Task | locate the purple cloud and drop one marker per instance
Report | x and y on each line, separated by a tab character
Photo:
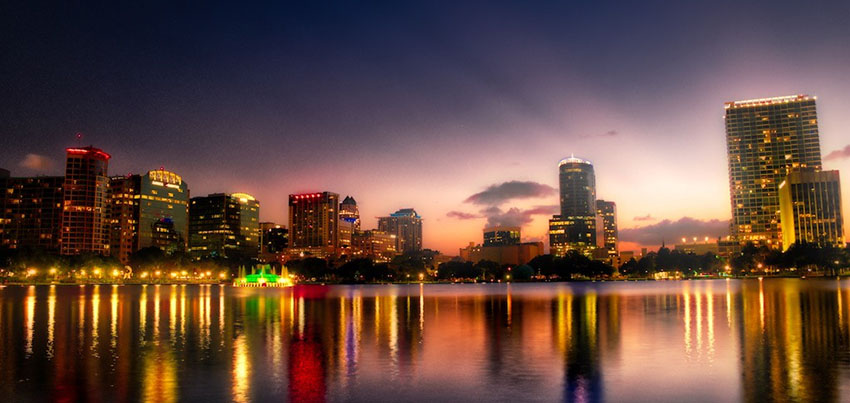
496	195
838	154
673	231
36	162
461	215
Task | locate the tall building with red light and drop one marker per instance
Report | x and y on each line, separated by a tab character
85	224
314	222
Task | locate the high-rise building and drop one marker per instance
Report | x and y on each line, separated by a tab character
607	211
766	139
224	225
810	208
501	235
314	223
85	220
348	211
575	227
148	210
406	225
31	212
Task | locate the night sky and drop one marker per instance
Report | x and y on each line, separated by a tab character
460	111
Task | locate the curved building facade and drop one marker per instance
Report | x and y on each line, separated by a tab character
575	227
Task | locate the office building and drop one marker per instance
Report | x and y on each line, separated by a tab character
226	225
406	225
512	254
766	139
31	212
575	227
349	212
501	235
606	211
377	245
810	208
148	210
314	223
85	220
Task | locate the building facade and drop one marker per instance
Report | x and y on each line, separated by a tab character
575	227
810	208
607	234
274	240
314	222
501	235
513	254
406	225
148	210
766	139
31	212
377	245
226	225
85	220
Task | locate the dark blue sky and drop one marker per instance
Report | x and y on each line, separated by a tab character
408	104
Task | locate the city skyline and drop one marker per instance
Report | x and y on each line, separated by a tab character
443	115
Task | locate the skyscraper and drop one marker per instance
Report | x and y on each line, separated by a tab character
810	208
224	225
607	211
274	239
766	139
314	222
85	224
348	211
406	225
575	227
149	210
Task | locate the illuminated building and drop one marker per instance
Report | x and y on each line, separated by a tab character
512	254
85	220
224	225
31	212
378	245
810	208
348	212
406	225
575	227
314	222
767	138
697	246
607	211
274	239
501	235
148	210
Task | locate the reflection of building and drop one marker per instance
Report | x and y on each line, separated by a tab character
607	231
515	255
274	239
314	221
148	210
765	139
224	225
85	224
494	236
406	225
374	244
31	211
575	227
810	208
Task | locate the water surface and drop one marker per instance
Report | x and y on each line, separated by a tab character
738	340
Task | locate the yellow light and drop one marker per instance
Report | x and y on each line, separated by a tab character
157	273
32	272
52	270
209	273
221	275
96	272
173	274
115	273
183	273
144	274
82	272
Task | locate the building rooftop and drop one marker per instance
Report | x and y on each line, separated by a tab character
405	212
768	101
349	200
573	160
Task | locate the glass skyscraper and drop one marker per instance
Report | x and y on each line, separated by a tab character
85	220
224	225
810	208
766	139
575	227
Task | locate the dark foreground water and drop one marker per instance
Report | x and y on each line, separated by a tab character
745	340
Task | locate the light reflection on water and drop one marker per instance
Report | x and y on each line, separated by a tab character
730	340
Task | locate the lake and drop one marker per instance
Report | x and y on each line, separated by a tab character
708	340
